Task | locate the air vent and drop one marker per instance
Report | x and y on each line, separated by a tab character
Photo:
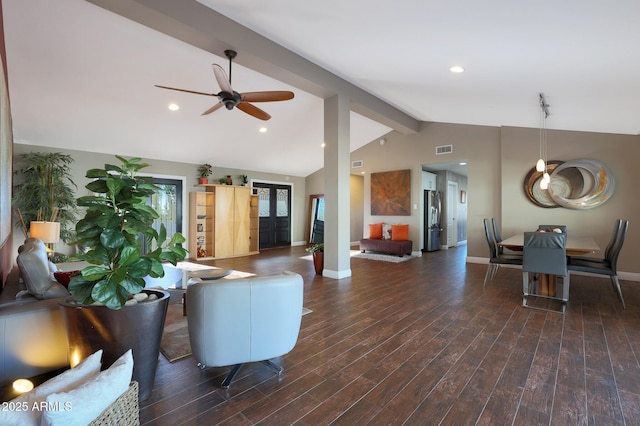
357	164
444	149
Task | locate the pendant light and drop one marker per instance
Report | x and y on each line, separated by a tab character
541	164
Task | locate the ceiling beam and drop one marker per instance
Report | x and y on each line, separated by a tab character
202	27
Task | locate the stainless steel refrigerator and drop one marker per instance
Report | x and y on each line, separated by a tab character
432	215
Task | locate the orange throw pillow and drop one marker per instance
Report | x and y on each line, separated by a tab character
375	231
400	232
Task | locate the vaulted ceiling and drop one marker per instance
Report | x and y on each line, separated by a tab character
82	77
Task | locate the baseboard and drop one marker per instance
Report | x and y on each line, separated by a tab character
625	276
336	274
629	276
482	260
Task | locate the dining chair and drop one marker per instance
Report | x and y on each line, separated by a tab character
617	229
609	265
544	253
496	259
496	235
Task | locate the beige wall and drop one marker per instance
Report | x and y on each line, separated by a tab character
315	186
357	207
618	152
86	160
479	143
498	161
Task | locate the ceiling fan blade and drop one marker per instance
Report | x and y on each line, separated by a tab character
213	108
268	96
253	110
187	91
221	77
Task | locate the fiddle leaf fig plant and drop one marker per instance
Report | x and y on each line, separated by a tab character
116	224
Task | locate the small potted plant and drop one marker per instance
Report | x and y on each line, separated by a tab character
244	179
204	171
317	251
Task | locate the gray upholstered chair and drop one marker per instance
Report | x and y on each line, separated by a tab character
235	321
544	253
496	259
608	265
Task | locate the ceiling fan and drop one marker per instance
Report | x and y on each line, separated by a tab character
229	98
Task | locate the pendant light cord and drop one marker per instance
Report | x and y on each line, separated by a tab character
544	113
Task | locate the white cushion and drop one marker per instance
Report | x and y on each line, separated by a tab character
81	405
26	414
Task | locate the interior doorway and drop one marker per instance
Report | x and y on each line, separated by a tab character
454	200
452	214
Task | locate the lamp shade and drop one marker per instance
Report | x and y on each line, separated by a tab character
47	232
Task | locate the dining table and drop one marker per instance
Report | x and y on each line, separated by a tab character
576	246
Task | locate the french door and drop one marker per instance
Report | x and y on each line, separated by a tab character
274	211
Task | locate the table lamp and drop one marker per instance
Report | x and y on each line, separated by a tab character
47	232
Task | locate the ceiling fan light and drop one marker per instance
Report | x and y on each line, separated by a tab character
540	165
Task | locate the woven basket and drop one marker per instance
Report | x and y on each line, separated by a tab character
123	411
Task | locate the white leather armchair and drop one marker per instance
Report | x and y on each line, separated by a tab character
244	320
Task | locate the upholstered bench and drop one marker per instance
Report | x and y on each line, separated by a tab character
399	247
387	238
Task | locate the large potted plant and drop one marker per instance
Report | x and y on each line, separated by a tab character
317	252
103	312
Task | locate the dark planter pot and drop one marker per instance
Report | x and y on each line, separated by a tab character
318	261
138	327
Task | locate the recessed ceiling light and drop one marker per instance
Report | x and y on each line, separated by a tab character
262	130
174	107
463	163
456	69
323	144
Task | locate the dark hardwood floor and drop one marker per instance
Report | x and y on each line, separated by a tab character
421	342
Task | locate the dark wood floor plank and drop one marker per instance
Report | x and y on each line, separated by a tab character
422	342
502	406
603	396
570	405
